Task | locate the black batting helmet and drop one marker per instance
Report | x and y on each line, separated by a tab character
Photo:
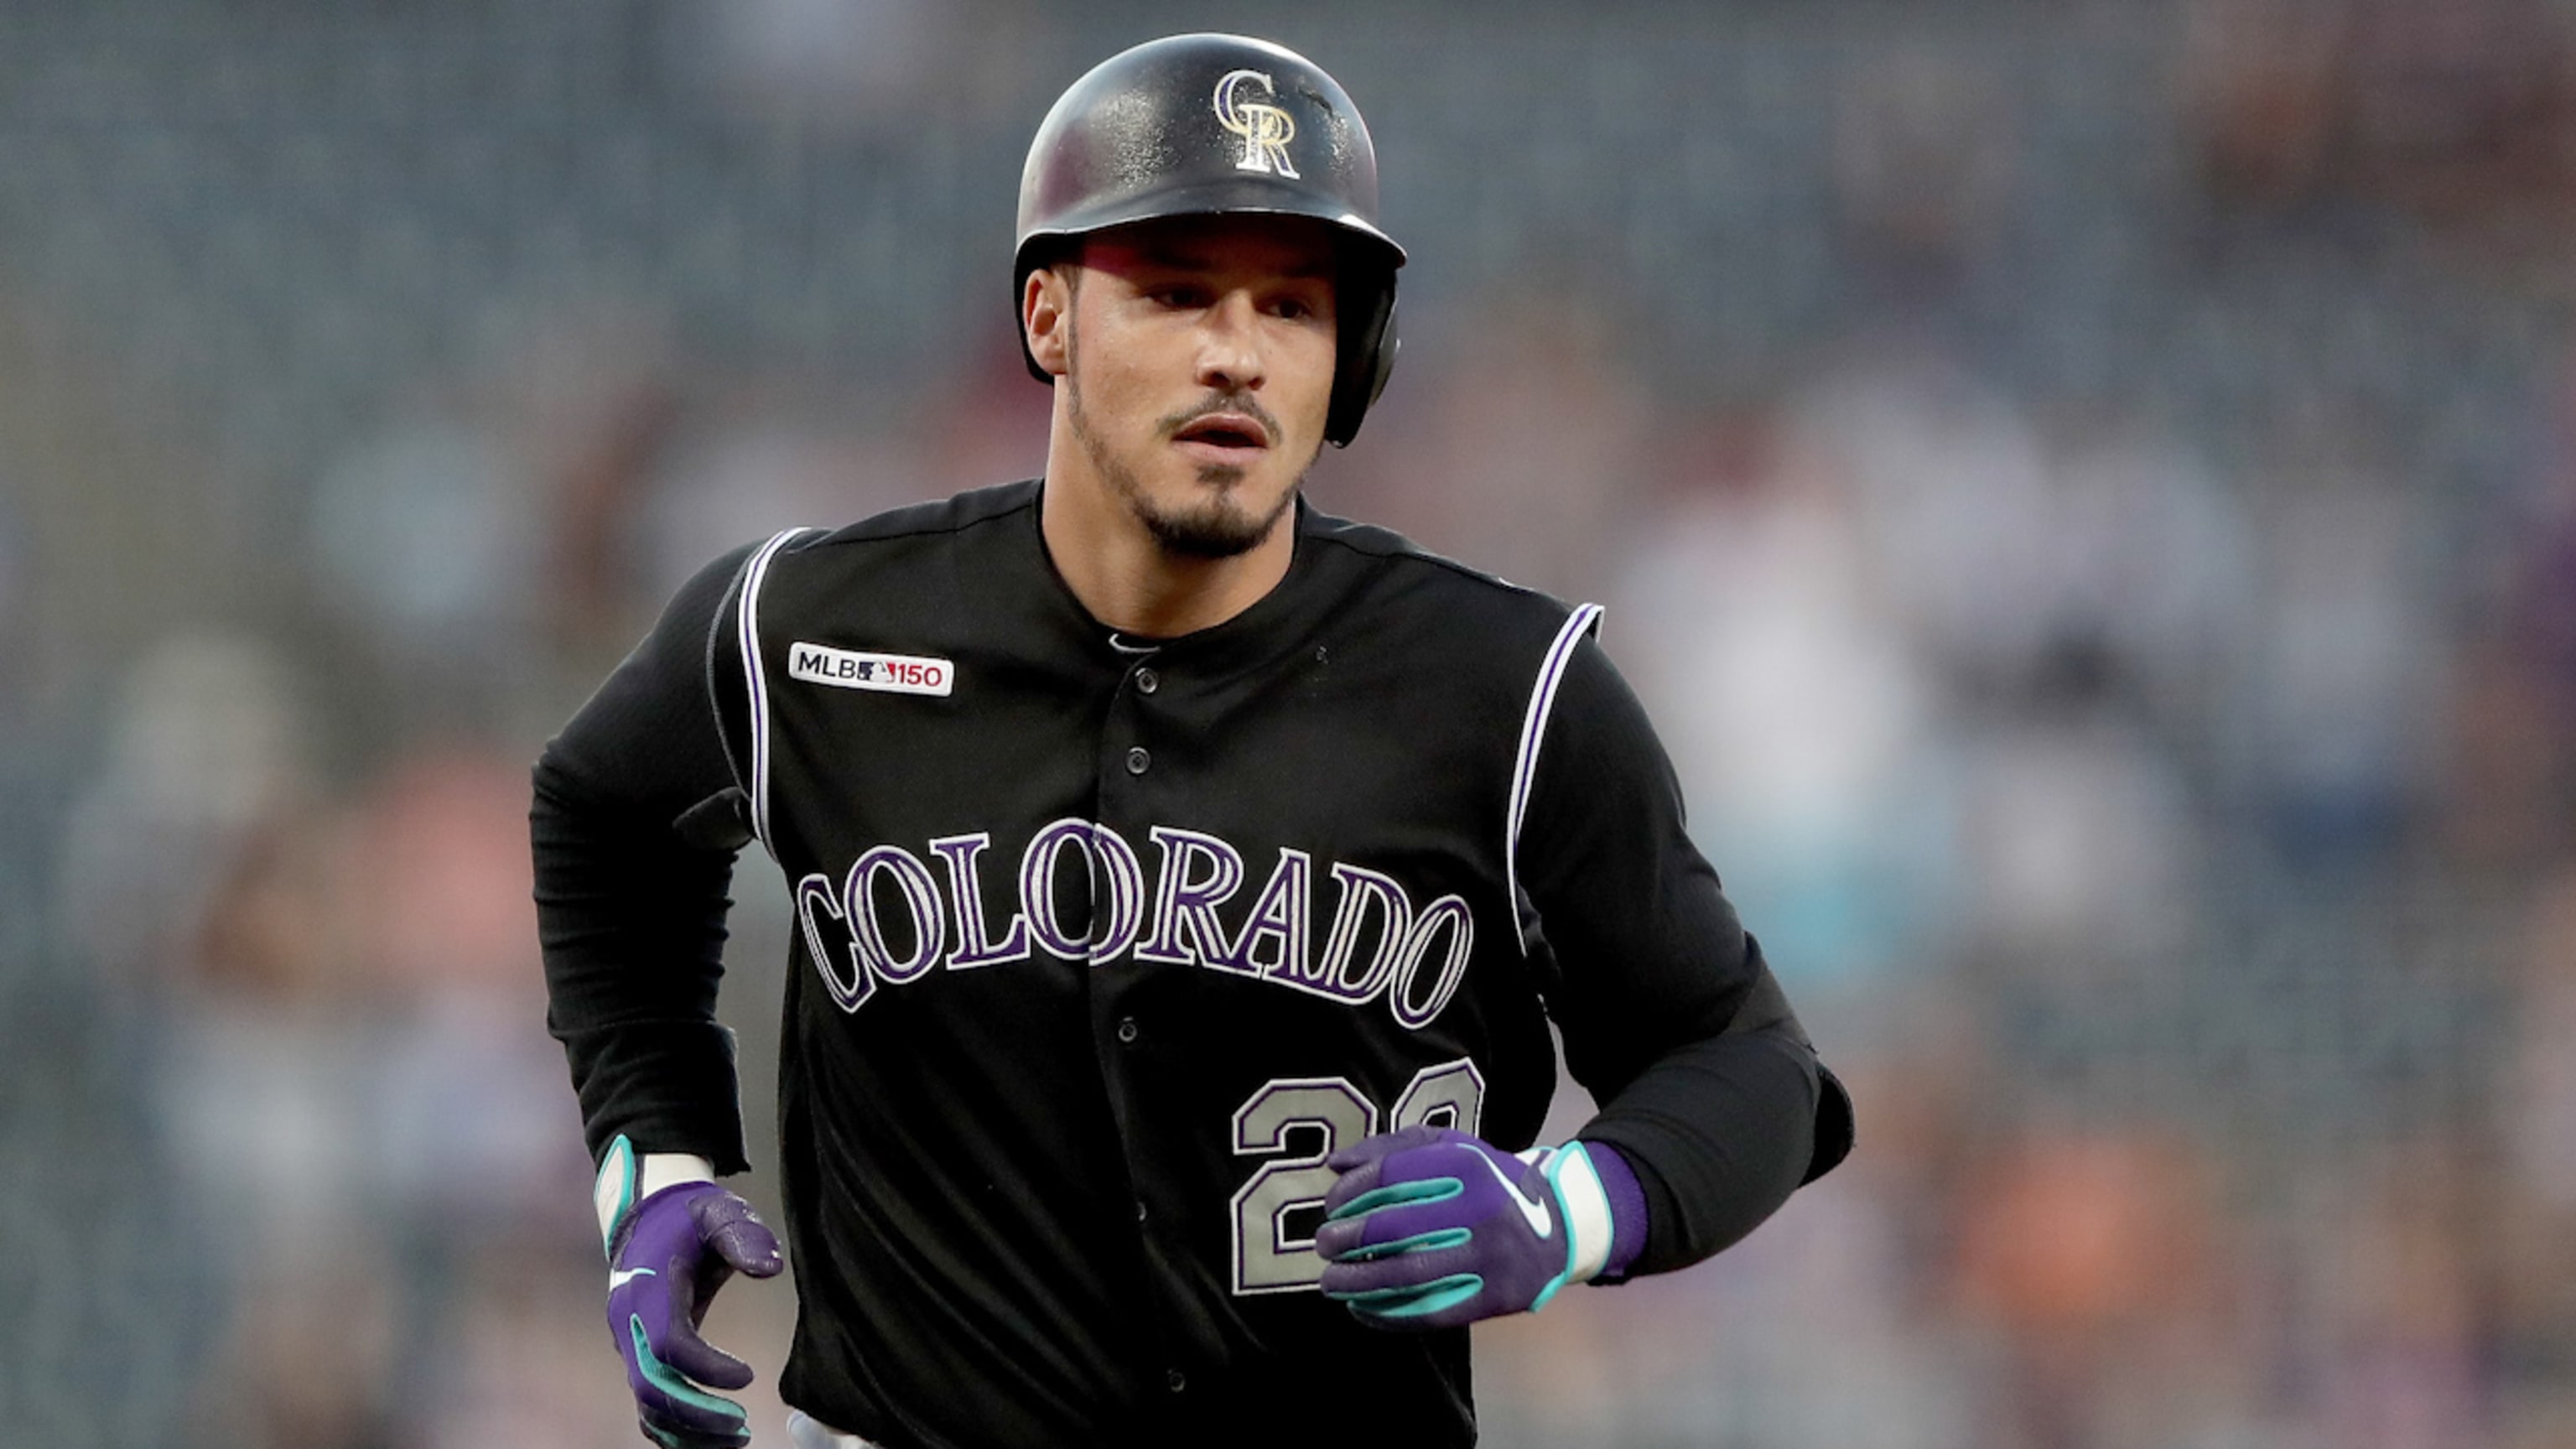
1205	125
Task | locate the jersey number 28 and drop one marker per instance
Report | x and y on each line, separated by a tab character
1266	1258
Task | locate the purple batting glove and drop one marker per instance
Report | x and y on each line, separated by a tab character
667	1257
1433	1228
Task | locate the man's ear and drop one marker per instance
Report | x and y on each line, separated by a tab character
1046	319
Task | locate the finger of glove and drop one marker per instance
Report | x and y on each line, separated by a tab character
674	1433
1398	1167
698	1359
678	1439
728	1225
1414	1291
1401	1227
1353	1183
1399	1272
1371	1149
665	1395
1433	1307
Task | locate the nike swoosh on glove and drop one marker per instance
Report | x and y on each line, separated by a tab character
1430	1227
667	1256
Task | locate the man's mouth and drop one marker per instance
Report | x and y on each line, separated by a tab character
1229	435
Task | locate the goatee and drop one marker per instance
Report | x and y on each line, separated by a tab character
1215	529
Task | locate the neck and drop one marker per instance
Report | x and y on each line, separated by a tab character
1129	581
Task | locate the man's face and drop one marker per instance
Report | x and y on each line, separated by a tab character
1199	359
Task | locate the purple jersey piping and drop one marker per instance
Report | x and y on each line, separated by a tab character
1533	729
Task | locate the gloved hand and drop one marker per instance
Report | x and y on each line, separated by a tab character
667	1256
1433	1228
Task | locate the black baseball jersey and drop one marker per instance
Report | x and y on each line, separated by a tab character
1102	944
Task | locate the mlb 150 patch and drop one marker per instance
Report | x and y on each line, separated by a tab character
886	673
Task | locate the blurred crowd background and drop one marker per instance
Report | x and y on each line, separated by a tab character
2087	488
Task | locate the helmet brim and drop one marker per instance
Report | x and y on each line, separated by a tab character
1248	197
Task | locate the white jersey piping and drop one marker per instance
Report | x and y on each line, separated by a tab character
1551	673
756	683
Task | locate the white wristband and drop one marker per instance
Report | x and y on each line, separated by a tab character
1588	1225
627	1178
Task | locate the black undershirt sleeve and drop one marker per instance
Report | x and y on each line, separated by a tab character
1672	1020
634	827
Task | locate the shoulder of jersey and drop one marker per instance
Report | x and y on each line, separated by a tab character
943	515
1456	584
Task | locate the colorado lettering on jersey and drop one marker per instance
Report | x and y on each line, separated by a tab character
886	673
888	919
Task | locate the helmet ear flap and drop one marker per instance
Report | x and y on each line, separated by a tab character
1367	357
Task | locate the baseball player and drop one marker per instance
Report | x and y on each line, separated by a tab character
1183	882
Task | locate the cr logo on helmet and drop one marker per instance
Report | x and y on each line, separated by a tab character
1266	130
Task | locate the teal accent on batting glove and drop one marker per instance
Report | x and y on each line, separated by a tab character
612	1197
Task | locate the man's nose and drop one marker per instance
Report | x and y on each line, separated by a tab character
1230	345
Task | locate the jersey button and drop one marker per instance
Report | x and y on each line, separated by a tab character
1127	1028
1138	761
1175	1380
1147	681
